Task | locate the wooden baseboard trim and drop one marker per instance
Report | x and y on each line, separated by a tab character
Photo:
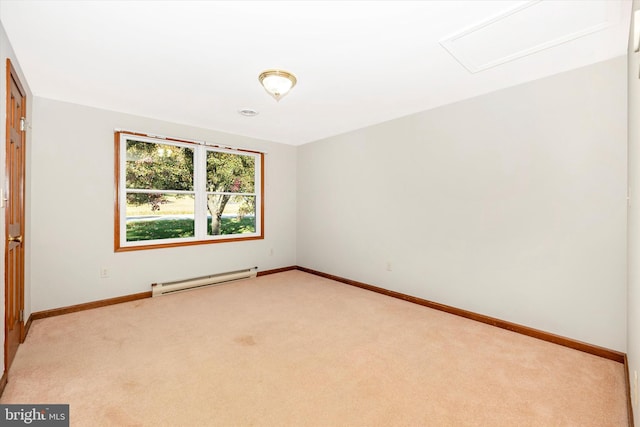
89	305
277	270
514	327
628	386
3	381
27	326
126	298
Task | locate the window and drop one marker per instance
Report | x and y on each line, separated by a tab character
171	193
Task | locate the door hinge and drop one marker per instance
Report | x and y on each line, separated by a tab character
21	315
23	124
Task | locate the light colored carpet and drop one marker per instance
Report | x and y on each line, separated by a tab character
293	349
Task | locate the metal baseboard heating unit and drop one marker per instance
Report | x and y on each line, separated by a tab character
159	289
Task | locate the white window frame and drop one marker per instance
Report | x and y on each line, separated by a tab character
199	192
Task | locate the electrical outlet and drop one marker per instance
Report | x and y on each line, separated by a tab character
271	252
389	267
104	272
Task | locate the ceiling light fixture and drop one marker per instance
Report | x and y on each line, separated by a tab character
277	83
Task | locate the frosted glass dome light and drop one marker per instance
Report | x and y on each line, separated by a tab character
277	83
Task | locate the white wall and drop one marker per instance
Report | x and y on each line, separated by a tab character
511	204
72	210
633	298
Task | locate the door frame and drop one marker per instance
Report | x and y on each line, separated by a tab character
12	75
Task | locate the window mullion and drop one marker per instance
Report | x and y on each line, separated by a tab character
199	185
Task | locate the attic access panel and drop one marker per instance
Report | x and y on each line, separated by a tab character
527	29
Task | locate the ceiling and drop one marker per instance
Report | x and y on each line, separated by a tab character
358	63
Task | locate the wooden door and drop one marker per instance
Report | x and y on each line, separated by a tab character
14	216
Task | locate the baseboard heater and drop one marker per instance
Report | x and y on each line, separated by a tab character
159	289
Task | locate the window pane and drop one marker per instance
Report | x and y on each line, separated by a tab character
152	166
159	216
233	173
231	214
